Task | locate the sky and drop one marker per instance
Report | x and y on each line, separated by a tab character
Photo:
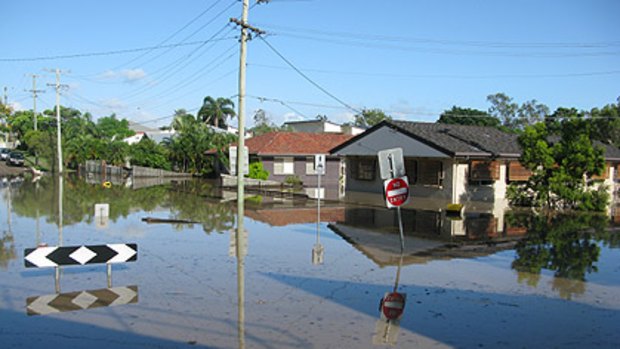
413	59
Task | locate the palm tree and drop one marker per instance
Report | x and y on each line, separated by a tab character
215	111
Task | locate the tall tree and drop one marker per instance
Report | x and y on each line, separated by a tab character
467	116
606	122
370	117
563	168
514	116
216	111
262	123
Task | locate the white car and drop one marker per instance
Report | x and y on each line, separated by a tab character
4	153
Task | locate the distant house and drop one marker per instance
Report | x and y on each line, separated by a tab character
286	154
322	126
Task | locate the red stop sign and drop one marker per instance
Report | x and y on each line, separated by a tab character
396	191
393	305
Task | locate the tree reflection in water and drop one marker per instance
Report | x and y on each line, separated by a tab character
185	200
567	244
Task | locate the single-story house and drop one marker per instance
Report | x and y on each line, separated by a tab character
286	154
454	163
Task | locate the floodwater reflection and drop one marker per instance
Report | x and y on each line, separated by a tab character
241	275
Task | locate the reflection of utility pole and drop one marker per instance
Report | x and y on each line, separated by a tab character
60	222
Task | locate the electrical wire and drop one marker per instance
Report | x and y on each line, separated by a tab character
306	77
445	76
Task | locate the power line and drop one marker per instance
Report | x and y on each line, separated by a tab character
449	51
109	53
307	78
446	76
470	43
174	34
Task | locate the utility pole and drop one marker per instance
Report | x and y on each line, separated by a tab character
34	111
245	27
59	129
6	97
240	236
34	99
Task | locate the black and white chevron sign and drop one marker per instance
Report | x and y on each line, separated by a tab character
54	256
81	300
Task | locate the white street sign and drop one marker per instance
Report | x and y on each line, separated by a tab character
391	163
319	164
232	155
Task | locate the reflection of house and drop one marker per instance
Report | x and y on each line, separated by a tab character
279	217
291	154
428	234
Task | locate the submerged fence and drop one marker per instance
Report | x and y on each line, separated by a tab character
106	171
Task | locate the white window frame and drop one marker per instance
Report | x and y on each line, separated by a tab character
284	165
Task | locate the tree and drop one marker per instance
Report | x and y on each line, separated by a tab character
514	116
370	117
262	123
112	128
149	154
467	116
563	167
216	111
606	122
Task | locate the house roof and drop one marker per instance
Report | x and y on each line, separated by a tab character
454	140
294	143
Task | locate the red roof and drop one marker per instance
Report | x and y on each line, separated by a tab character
294	143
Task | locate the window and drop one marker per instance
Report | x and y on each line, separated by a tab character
411	170
310	170
430	172
283	166
483	171
364	169
517	172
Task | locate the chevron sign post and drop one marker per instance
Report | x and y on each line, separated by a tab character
81	300
54	256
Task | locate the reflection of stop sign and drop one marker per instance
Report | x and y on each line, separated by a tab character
396	191
393	305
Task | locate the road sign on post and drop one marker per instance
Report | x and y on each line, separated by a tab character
319	164
232	155
396	191
391	163
54	256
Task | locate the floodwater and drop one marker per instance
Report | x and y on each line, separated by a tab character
475	281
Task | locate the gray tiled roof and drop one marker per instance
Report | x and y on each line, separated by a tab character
461	140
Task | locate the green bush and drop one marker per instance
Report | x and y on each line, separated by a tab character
257	171
293	180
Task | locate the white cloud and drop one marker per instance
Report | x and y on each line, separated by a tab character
131	75
292	117
114	103
342	118
126	75
16	106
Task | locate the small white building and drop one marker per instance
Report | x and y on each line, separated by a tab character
322	126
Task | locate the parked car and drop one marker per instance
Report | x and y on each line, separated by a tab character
15	159
4	153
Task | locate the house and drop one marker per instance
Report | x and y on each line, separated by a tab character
452	163
322	126
445	163
291	154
